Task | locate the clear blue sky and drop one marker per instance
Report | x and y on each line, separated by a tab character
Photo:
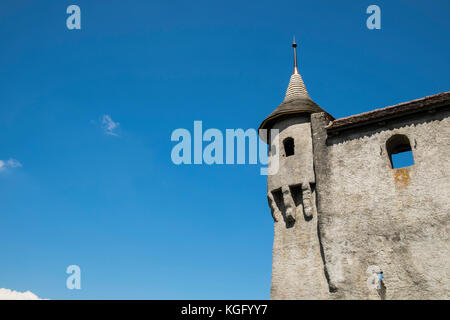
138	225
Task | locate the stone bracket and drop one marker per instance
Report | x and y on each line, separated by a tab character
285	203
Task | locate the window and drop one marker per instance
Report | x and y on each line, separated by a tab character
399	151
289	146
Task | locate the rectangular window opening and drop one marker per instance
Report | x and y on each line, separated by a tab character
402	159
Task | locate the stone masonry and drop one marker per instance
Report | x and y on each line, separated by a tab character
340	209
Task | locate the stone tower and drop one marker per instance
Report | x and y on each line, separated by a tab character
348	222
292	197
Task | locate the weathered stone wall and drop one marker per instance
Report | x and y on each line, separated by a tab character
371	214
297	268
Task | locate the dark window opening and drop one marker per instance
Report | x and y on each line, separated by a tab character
296	192
399	151
289	146
278	197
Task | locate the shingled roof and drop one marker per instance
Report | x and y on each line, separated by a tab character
398	110
296	100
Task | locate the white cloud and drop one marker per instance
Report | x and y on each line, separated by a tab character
11	163
109	126
7	294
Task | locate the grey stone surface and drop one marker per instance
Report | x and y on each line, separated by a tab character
296	247
340	209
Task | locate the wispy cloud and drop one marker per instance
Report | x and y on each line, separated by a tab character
11	163
109	126
8	294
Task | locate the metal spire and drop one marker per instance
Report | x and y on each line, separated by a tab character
294	45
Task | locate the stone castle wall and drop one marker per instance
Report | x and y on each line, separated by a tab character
371	214
296	247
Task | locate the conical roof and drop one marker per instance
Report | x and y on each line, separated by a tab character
296	101
296	88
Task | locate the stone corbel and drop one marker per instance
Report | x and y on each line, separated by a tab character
276	213
289	204
308	203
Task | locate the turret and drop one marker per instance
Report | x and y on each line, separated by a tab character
291	196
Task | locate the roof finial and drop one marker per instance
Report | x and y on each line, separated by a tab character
294	45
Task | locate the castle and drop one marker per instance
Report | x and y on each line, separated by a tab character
342	211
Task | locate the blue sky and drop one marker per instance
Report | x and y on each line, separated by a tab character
138	225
